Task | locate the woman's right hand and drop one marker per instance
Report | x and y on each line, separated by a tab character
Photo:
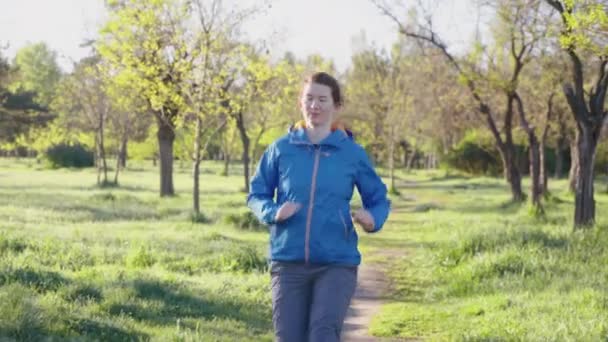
286	211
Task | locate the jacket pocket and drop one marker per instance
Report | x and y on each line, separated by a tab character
346	230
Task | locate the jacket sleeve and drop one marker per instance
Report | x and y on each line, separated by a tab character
373	191
262	187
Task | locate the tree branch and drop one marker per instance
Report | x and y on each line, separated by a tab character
522	115
556	4
599	97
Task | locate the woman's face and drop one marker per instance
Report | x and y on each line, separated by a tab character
317	105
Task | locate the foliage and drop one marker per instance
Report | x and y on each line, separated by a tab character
67	155
37	71
475	154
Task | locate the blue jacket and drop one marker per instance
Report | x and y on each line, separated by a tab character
321	177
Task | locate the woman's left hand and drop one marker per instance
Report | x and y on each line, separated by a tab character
364	219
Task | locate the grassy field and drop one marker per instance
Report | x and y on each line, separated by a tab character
474	267
80	262
124	264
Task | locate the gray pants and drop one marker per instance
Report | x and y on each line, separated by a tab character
309	302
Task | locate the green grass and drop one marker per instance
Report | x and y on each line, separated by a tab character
475	267
120	263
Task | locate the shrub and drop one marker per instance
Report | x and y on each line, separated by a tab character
65	155
476	155
238	258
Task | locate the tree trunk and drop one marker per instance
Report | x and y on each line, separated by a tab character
117	171
121	158
226	164
584	213
196	167
534	156
511	172
535	171
166	136
122	154
245	140
410	161
544	178
102	150
98	158
574	167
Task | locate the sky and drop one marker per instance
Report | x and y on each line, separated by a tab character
304	27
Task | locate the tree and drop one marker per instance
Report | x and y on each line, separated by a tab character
522	28
84	105
37	71
229	144
143	42
540	90
473	78
126	120
256	104
25	89
366	91
585	32
215	68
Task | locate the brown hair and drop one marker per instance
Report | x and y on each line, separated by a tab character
327	80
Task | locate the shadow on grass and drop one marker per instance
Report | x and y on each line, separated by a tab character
176	303
102	331
99	207
433	185
484	207
41	281
59	186
447	177
400	244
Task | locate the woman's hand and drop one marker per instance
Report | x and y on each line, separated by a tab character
364	219
286	211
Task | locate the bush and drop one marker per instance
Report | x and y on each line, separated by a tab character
239	259
476	155
199	218
64	155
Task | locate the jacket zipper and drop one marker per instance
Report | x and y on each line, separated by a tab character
311	202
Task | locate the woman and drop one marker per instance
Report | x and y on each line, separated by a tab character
313	244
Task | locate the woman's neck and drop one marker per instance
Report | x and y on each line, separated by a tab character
318	133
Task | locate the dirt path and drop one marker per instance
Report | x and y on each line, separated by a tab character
372	285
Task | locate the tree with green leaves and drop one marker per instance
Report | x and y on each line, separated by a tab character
368	92
257	104
126	120
26	88
216	61
583	36
144	44
37	71
84	105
